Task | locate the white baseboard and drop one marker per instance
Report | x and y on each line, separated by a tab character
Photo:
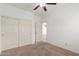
50	42
0	51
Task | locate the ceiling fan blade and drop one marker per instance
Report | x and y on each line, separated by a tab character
45	9
51	3
36	7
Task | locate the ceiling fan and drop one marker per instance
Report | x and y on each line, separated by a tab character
43	5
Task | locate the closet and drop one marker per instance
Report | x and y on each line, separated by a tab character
15	32
9	29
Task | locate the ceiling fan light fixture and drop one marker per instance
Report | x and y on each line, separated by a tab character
42	4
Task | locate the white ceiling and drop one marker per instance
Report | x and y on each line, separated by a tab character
24	6
30	6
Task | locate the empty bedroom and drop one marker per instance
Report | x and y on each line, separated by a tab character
39	29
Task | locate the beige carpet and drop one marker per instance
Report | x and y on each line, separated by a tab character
40	49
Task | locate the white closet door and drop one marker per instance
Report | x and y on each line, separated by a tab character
25	32
0	34
9	33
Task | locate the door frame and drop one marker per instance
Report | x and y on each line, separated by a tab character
0	36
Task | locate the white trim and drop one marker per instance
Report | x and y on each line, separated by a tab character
0	35
33	31
50	42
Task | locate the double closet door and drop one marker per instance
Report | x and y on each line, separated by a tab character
15	32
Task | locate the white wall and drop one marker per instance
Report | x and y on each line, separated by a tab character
63	26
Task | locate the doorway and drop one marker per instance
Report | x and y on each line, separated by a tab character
44	31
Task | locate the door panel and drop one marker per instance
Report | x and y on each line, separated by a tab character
25	32
9	33
0	34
